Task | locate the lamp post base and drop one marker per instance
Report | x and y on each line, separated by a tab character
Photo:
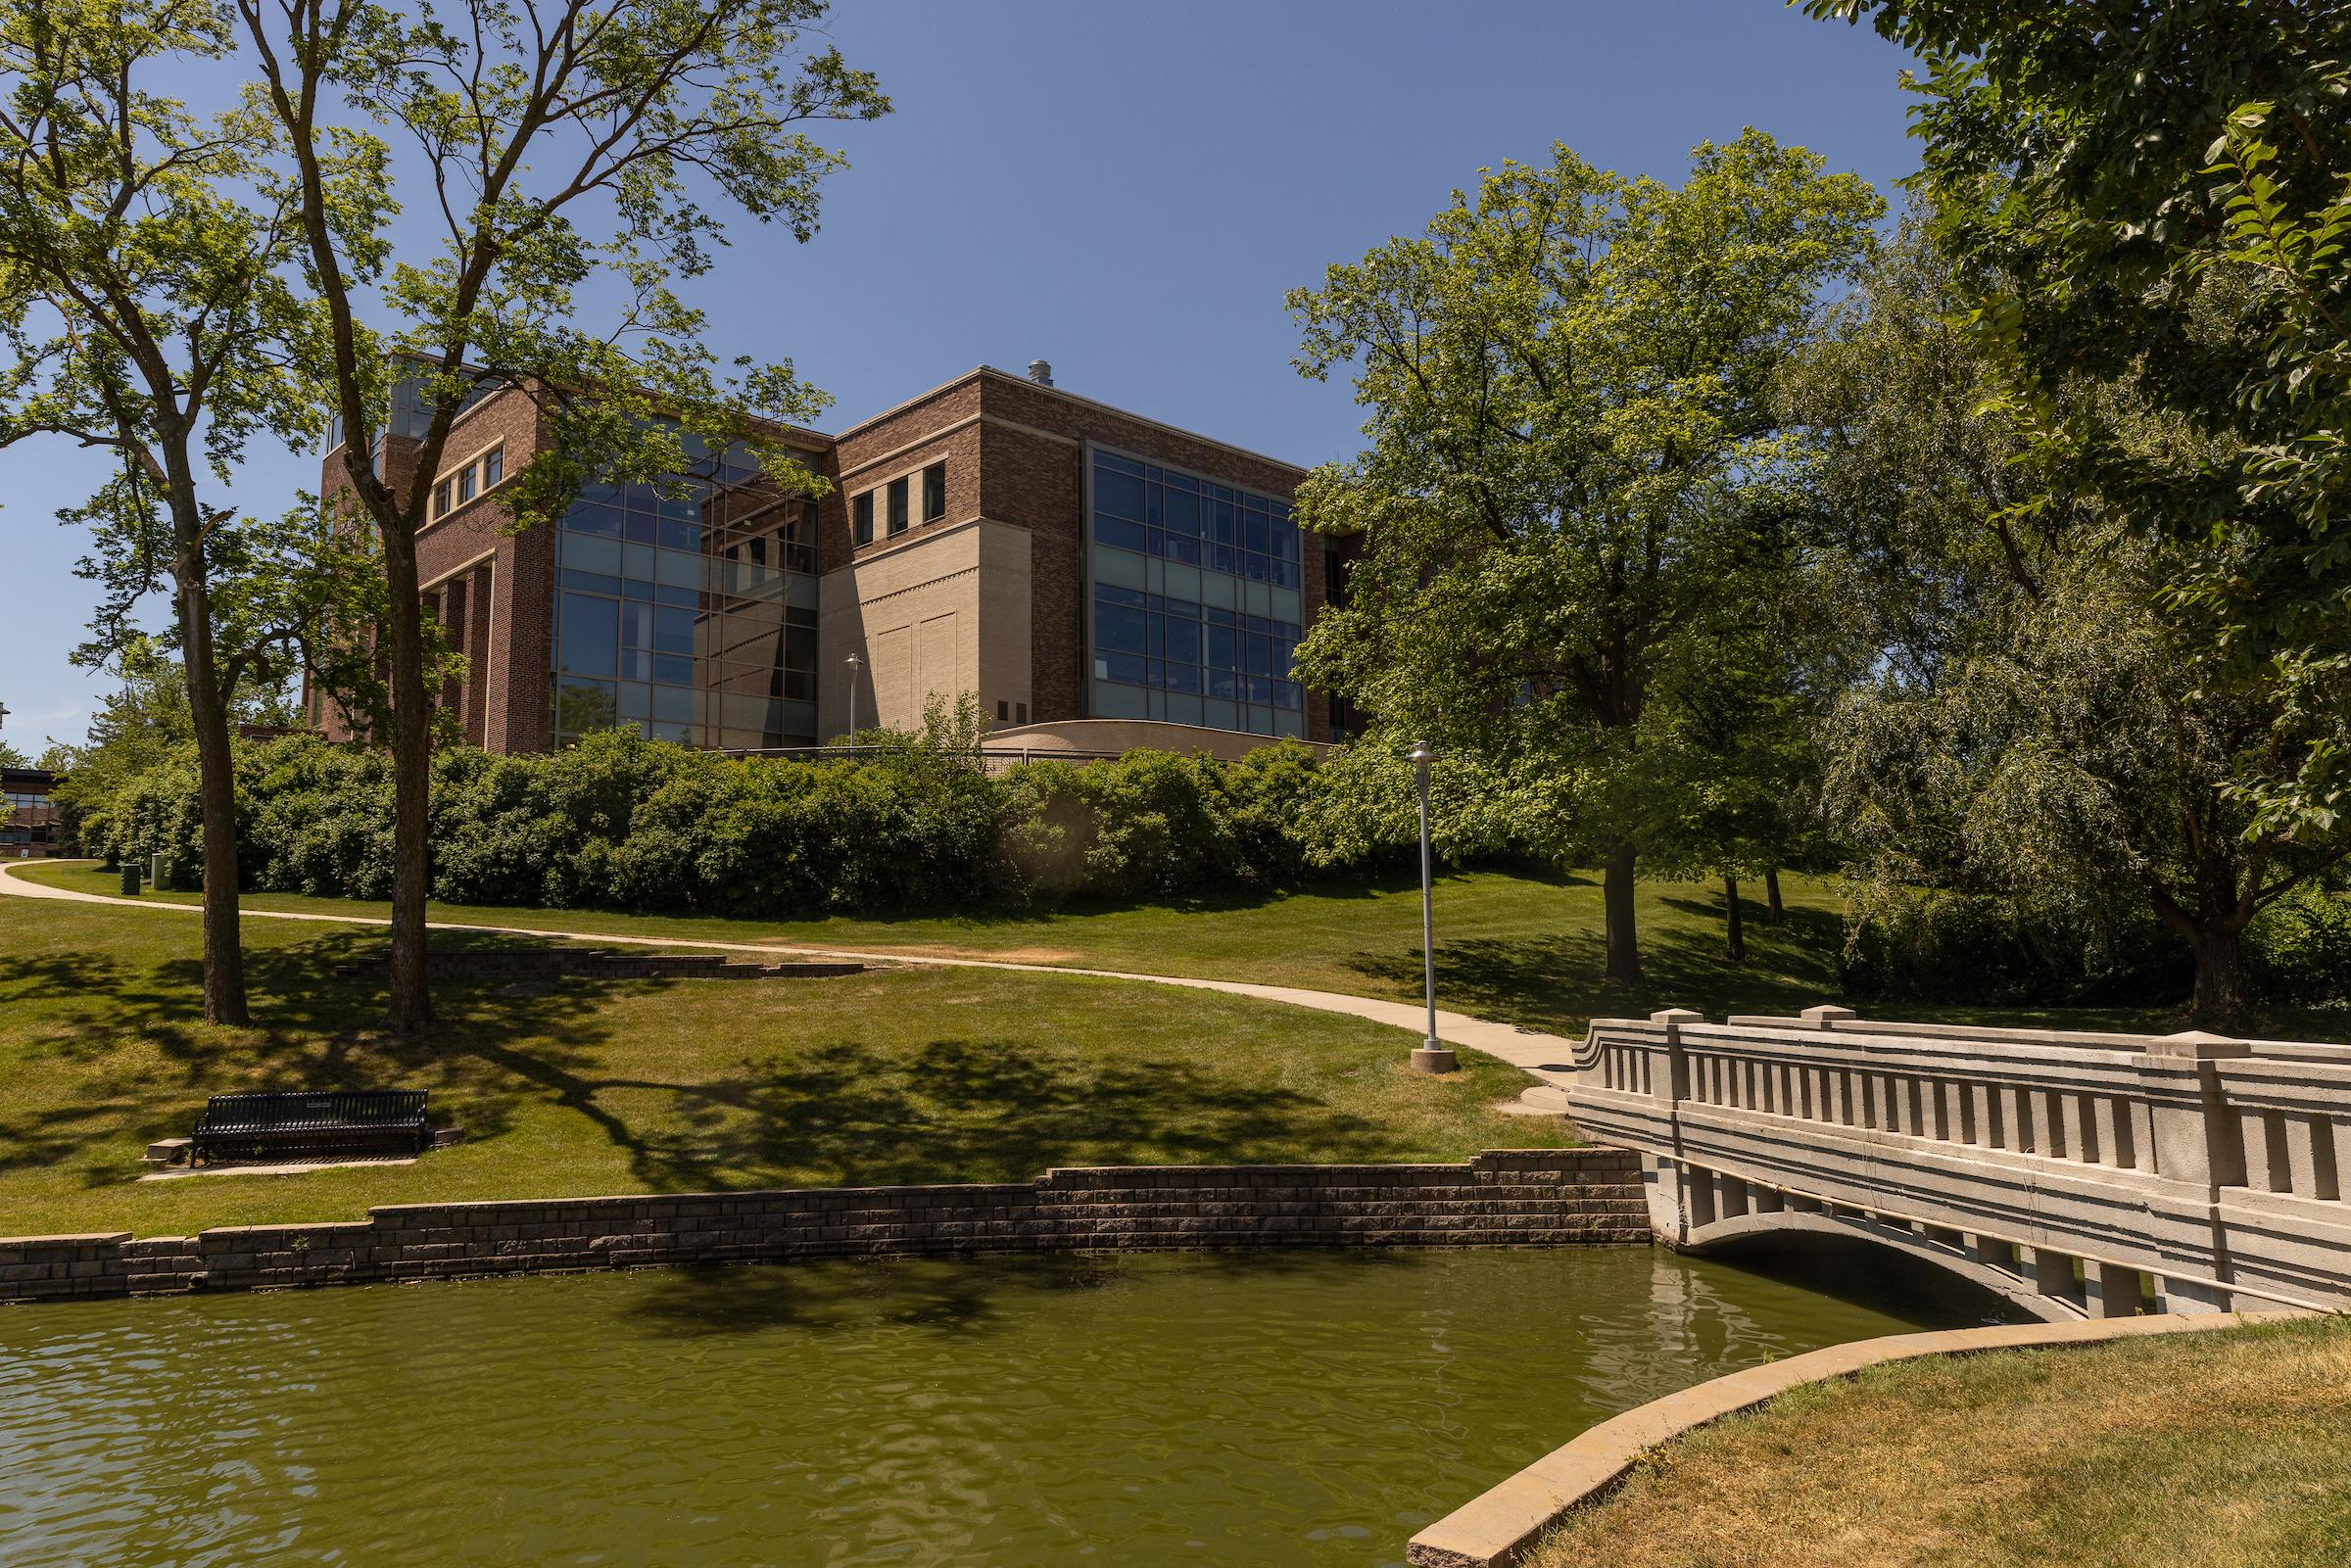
1433	1059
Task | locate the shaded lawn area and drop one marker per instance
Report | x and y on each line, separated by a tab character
1516	947
2228	1449
593	1087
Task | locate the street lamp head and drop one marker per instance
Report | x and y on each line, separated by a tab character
853	661
1422	754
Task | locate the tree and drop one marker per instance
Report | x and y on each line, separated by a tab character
145	314
2107	176
558	148
2035	727
147	722
1574	457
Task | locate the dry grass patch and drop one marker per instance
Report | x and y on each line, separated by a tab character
2224	1449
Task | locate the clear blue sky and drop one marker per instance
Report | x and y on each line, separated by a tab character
1127	189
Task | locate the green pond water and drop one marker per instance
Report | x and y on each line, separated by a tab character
1298	1408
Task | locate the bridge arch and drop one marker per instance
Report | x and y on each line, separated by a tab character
2075	1176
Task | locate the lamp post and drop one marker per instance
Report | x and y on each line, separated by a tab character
854	662
1431	1055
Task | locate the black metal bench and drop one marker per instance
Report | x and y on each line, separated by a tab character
306	1125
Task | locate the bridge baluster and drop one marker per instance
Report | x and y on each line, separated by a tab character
2310	1156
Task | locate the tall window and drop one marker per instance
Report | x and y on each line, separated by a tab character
935	493
863	510
1197	609
898	505
441	499
688	617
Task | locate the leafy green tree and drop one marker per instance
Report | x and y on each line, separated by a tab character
560	154
1574	457
2036	727
147	721
2109	177
145	313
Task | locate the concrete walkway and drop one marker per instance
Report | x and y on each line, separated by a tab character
1546	1057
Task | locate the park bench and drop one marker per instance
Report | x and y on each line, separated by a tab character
308	1126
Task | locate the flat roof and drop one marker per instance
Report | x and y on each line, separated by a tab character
1067	395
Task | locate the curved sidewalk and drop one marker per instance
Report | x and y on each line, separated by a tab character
1544	1057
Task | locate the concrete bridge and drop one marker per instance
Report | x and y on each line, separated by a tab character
2080	1175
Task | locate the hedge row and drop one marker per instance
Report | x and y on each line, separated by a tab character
618	822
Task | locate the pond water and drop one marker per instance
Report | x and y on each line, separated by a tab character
1301	1409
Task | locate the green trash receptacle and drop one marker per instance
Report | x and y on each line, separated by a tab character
130	878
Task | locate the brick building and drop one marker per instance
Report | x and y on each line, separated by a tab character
1090	575
35	827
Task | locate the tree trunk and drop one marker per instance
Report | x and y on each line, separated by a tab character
1774	910
1624	942
1734	946
216	768
2221	979
410	1002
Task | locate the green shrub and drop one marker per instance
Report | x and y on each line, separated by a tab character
1904	944
2298	950
620	821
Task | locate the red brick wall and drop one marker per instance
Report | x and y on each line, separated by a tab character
903	442
1029	477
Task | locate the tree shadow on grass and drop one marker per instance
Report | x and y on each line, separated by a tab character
951	1110
86	1013
125	1059
1559	982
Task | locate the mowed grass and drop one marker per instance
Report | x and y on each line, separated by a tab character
2225	1449
900	1074
1520	948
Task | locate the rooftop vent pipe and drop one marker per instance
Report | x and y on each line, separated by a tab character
1041	372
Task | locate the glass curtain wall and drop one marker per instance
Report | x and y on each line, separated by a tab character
689	618
1196	600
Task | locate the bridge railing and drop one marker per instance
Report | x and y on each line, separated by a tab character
2191	1157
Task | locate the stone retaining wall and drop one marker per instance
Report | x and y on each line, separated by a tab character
1540	1198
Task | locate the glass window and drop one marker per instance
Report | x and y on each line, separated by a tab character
673	629
593	582
935	493
1182	513
1119	495
466	482
1119	532
584	705
589	640
1122	630
862	509
673	669
441	499
898	505
586	517
494	468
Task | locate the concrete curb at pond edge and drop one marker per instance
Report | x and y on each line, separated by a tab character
1498	1527
1549	1058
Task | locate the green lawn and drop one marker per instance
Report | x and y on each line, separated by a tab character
1519	948
902	1075
2224	1449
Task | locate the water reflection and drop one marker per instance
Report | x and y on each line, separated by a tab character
1289	1408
